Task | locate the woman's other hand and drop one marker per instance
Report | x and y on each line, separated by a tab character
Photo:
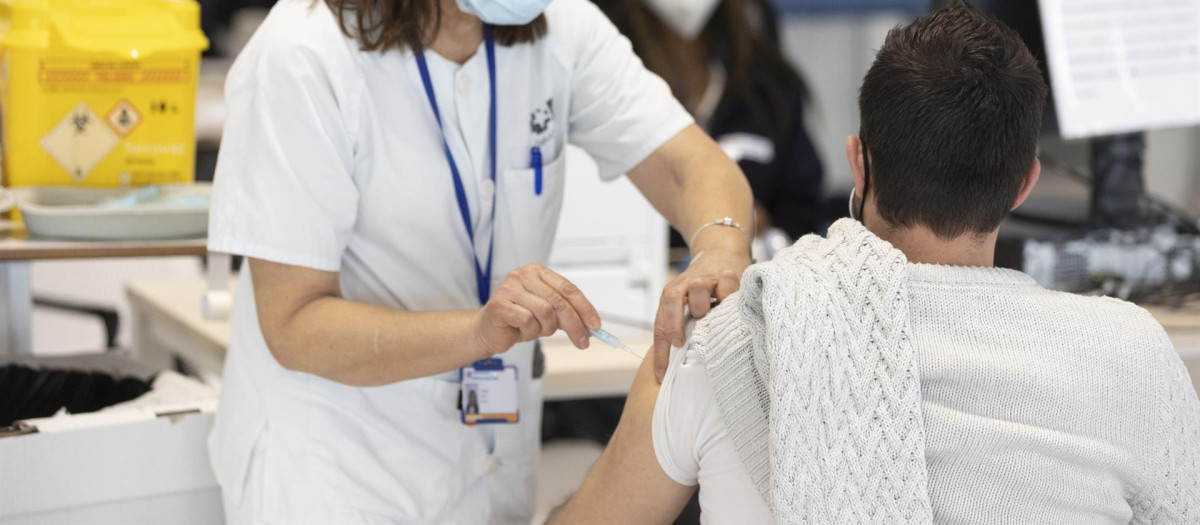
710	278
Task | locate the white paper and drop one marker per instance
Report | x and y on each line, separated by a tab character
62	421
171	393
1123	65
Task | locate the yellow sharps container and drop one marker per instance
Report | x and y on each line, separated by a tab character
99	92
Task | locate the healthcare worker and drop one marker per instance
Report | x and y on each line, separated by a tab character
393	171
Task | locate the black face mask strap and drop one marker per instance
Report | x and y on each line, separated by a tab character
862	205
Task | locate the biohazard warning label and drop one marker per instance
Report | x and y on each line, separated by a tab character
123	118
80	141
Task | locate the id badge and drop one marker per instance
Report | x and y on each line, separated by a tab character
489	393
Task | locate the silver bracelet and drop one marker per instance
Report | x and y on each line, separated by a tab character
727	222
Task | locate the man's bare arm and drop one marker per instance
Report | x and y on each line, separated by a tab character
627	485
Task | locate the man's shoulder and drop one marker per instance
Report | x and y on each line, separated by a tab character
1125	324
683	415
686	379
1105	341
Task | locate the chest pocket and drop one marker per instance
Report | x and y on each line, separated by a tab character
534	217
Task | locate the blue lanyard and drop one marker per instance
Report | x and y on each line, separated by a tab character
483	276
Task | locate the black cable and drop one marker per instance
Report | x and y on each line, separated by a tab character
862	206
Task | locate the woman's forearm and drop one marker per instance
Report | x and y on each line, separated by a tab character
691	182
364	345
711	195
310	328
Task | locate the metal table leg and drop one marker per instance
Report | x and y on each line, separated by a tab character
16	305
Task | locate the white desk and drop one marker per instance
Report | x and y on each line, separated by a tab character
167	321
17	249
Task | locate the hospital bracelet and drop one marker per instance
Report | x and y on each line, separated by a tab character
727	222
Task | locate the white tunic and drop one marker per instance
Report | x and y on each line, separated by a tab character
332	160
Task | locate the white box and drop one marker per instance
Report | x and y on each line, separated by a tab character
138	465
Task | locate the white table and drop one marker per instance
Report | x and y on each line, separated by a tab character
167	321
18	249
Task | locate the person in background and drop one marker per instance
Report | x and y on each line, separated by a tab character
890	374
722	60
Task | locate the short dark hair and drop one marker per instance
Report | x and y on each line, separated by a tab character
951	113
380	25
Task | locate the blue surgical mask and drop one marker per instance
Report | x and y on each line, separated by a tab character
504	12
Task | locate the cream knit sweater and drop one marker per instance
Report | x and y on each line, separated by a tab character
1043	407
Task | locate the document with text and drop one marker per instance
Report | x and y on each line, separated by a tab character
1123	65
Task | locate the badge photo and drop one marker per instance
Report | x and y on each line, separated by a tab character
489	393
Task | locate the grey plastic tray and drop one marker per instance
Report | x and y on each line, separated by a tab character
72	213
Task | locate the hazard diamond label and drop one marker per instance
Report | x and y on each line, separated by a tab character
80	141
123	118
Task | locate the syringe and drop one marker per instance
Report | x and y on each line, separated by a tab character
611	340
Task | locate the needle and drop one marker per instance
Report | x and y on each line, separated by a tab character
611	340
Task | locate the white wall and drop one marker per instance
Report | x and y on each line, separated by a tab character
833	53
99	281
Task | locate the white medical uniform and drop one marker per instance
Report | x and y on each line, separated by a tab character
332	160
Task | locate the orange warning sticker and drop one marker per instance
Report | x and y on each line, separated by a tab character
123	118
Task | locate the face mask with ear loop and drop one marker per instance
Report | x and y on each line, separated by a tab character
504	12
862	206
686	18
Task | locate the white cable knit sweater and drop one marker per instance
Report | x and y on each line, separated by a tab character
1069	410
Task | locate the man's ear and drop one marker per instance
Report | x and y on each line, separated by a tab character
1031	180
854	156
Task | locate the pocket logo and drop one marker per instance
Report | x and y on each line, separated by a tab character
541	123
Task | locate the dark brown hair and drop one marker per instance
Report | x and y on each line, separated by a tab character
381	25
951	113
748	45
